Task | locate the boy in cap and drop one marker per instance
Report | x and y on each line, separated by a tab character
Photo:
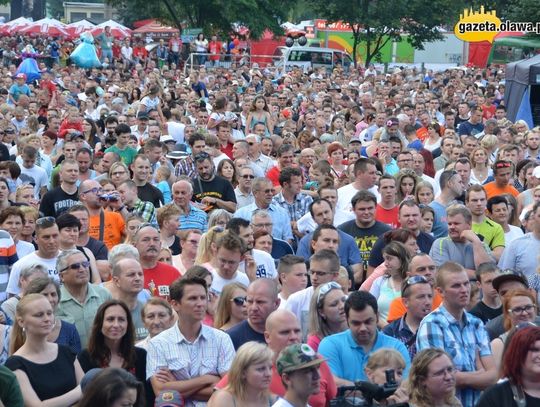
298	365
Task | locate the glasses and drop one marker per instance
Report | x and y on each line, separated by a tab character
248	176
262	225
94	190
520	310
413	281
77	266
239	300
252	143
325	289
448	370
45	221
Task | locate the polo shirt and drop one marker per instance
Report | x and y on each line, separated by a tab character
348	251
347	359
8	257
492	233
280	218
242	333
521	255
195	219
82	315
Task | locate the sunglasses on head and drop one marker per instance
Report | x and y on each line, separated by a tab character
413	281
325	289
45	220
239	300
202	156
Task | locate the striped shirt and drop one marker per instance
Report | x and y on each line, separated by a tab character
186	167
195	219
211	353
298	208
8	257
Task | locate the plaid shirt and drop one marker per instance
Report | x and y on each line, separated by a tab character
298	208
401	331
146	210
186	167
460	339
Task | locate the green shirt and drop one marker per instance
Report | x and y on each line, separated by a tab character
491	232
127	154
82	315
10	392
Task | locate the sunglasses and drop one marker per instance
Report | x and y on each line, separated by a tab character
248	176
202	156
413	281
45	220
94	190
77	266
239	300
503	164
325	289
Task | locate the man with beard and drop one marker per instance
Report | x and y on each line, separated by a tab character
158	276
210	189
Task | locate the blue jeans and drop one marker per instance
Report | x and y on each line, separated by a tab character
106	53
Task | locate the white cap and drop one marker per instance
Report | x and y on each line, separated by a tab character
165	138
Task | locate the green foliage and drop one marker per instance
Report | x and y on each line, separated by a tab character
213	16
377	22
523	11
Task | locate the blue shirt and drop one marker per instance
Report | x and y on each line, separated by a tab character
195	219
347	250
440	227
347	359
280	218
521	255
460	339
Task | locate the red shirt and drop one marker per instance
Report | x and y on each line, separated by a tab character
158	279
273	175
422	133
227	150
388	216
214	47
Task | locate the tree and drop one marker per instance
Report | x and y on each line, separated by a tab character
377	22
213	16
523	11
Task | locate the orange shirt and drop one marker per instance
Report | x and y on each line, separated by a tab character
113	230
492	190
397	308
422	133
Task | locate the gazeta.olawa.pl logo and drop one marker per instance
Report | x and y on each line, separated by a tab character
476	26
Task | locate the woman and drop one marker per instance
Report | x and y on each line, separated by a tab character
520	369
326	313
12	221
227	170
4	194
219	217
165	256
189	242
118	173
432	380
382	360
250	376
424	193
206	253
406	181
48	373
133	221
90	134
31	215
113	387
337	128
303	140
112	342
336	153
262	240
24	194
519	306
481	170
433	140
201	47
231	307
49	146
388	287
157	315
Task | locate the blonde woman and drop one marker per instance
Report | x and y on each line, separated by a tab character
206	252
118	173
231	307
481	169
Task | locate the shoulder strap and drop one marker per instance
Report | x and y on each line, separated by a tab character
101	224
519	396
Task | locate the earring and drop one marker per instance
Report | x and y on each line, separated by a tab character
24	330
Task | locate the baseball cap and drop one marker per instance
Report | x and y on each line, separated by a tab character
509	275
296	357
169	398
355	140
20	76
77	135
142	115
166	138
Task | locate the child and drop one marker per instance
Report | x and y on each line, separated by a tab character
72	124
428	214
490	305
163	174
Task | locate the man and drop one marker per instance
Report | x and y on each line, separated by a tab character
347	352
364	228
417	296
447	144
186	166
191	217
240	151
532	141
262	221
347	250
121	147
244	195
473	126
264	162
158	276
293	276
451	187
261	300
462	245
387	210
140	130
502	172
285	156
257	263
521	254
210	189
459	333
193	356
409	218
419	165
463	113
141	175
230	249
298	365
47	240
263	193
79	300
365	177
131	203
463	167
84	159
490	232
390	165
497	209
490	306
291	197
105	226
34	174
59	199
128	278
107	161
323	268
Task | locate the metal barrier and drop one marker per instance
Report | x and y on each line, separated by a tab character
231	61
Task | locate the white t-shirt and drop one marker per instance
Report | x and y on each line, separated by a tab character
284	403
512	234
24	248
346	193
298	304
176	131
218	282
30	260
266	266
219	159
306	224
39	177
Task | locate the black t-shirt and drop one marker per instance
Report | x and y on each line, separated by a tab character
57	201
484	312
150	193
501	395
243	333
365	237
4	152
217	188
98	248
423	240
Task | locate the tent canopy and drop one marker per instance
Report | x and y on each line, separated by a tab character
520	75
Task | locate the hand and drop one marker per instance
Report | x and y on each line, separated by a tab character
470	236
400	396
115	204
251	267
209	201
163	160
164	376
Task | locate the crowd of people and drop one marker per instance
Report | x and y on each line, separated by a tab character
242	238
